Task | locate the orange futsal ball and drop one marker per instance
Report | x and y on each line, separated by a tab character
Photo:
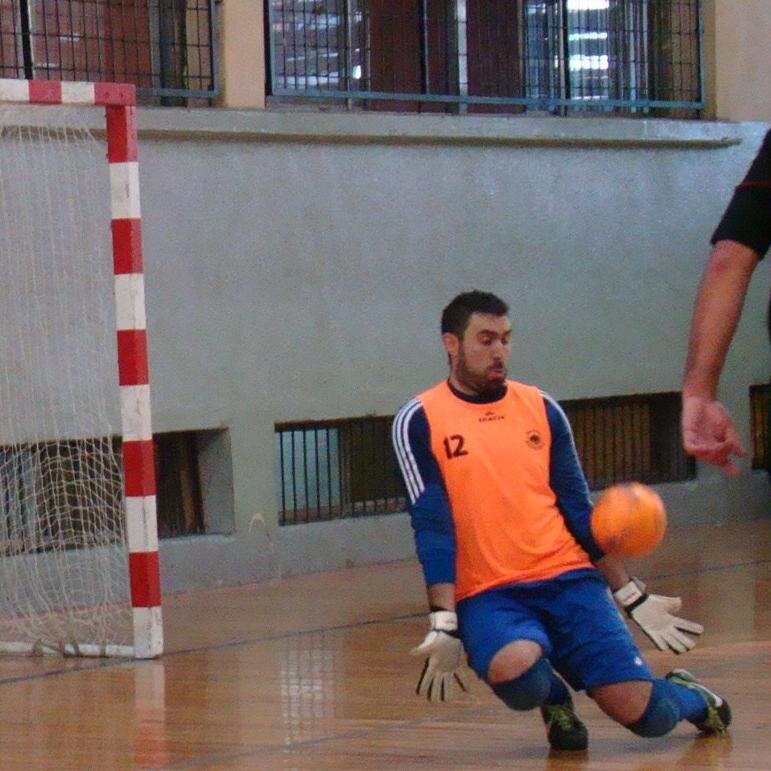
629	520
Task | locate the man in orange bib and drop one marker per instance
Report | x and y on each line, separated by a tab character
500	509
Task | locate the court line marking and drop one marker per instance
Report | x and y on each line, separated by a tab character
88	665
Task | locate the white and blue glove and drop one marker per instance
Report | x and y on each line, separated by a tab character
444	658
654	614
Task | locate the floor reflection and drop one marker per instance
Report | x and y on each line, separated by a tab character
310	668
150	742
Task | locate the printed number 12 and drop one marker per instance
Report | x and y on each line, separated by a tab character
453	446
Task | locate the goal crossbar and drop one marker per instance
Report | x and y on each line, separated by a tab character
139	485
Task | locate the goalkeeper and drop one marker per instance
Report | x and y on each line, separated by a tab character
500	510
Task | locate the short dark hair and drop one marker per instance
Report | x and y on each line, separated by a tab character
456	315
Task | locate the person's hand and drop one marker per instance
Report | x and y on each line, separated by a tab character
654	614
444	658
709	433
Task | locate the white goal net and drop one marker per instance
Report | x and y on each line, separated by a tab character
64	582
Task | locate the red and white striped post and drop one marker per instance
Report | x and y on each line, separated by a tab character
138	466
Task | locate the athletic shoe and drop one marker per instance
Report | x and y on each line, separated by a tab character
718	712
564	730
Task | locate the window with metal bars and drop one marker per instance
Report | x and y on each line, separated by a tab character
489	55
164	47
330	469
760	424
333	469
625	438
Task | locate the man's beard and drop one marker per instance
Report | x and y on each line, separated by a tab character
478	382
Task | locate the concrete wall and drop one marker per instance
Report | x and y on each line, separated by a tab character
297	264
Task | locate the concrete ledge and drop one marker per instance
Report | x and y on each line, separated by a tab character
378	128
202	562
391	128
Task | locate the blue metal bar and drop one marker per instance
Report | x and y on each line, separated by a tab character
282	520
536	103
213	52
26	41
425	77
700	44
190	93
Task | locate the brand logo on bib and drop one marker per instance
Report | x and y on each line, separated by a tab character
490	416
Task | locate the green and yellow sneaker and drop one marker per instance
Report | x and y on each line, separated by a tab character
718	712
564	730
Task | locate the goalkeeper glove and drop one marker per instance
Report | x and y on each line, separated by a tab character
444	657
654	614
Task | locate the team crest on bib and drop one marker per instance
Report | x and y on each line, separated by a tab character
534	440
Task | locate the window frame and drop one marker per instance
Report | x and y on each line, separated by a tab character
32	26
461	101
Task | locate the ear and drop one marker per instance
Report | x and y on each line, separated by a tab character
451	344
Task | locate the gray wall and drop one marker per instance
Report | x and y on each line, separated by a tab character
297	264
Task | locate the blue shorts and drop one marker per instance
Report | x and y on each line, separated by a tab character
572	617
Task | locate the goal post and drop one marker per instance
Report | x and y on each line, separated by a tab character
74	475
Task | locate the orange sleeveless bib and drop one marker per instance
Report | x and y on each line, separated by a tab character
494	459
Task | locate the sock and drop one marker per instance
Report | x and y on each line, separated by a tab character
558	693
690	702
661	715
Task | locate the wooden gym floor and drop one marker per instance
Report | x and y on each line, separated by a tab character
313	673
